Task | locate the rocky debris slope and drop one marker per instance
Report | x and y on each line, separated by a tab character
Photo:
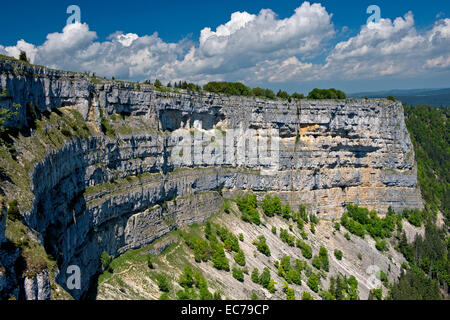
117	185
132	278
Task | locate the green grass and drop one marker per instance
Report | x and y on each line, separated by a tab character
34	256
171	261
35	148
3	57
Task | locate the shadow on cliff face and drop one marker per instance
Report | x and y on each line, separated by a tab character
59	212
172	120
92	292
13	265
74	232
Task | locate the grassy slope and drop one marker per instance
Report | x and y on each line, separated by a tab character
132	279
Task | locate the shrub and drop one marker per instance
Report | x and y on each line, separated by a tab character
206	295
220	261
229	240
149	262
300	265
294	276
324	262
106	128
326	94
229	88
217	295
376	294
238	274
227	206
359	220
262	246
239	257
65	131
283	95
316	262
344	289
326	295
313	218
186	294
313	282
307	296
338	254
287	238
391	98
415	217
105	261
337	226
187	278
286	212
271	206
274	230
300	224
271	287
158	84
201	248
298	96
303	214
382	276
23	56
13	211
306	250
164	296
264	279
163	283
247	206
290	294
208	230
255	275
381	245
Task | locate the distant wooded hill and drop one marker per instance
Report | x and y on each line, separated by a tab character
432	97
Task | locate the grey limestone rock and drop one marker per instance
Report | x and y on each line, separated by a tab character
112	194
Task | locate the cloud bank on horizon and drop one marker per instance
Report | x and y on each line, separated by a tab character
254	48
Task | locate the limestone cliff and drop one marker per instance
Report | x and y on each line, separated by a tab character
93	169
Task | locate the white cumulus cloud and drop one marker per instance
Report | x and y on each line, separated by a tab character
254	48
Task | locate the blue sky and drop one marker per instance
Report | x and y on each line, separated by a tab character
273	48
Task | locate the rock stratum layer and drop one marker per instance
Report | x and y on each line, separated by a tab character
112	192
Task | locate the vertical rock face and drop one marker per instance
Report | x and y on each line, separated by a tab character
123	190
38	287
2	223
3	277
8	281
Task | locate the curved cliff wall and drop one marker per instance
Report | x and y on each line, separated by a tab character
91	192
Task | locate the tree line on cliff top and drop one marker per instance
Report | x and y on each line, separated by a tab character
239	89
